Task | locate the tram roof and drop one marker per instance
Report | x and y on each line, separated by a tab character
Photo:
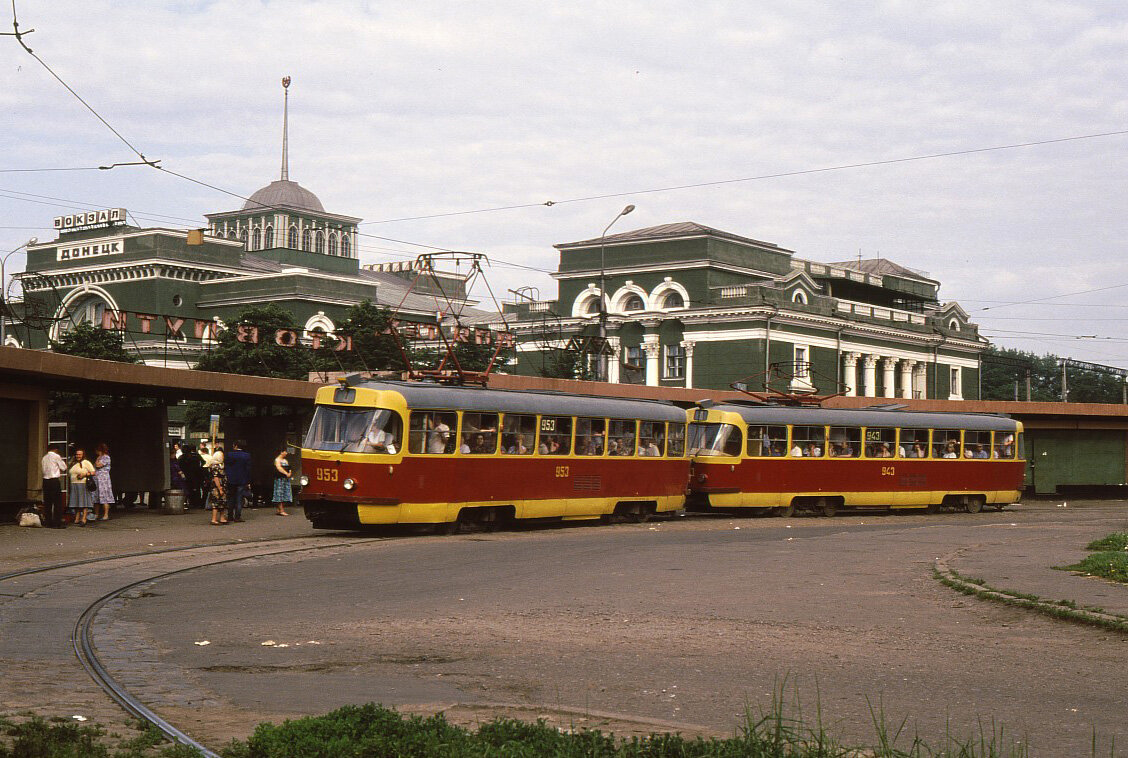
782	414
425	395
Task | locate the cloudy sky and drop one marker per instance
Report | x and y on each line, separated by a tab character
401	110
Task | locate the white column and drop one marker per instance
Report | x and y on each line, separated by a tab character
850	373
870	371
888	375
653	349
907	379
920	380
615	360
688	346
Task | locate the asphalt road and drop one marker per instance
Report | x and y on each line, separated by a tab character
680	624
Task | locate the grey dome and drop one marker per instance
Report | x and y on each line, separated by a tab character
287	193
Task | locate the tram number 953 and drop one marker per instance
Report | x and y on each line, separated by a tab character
327	475
562	472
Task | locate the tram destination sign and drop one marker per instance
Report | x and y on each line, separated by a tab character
90	219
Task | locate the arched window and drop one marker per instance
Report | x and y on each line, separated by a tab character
231	234
307	240
332	243
256	242
633	303
292	237
268	237
346	246
673	300
592	306
799	296
243	236
954	325
319	242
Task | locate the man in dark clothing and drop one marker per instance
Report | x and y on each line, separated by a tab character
192	466
238	467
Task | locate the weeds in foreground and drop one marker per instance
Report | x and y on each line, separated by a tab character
62	738
1108	565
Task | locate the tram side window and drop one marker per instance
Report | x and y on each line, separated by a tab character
555	435
479	434
1004	445
518	434
977	444
591	436
767	441
945	443
622	437
651	438
845	441
431	432
882	443
808	441
675	443
915	442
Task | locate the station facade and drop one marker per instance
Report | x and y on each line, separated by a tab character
171	291
687	305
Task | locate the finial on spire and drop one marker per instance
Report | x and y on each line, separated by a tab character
286	129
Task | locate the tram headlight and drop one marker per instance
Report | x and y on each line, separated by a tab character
303	480
349	484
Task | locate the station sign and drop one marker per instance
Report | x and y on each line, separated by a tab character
90	219
90	249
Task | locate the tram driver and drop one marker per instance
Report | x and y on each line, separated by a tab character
382	435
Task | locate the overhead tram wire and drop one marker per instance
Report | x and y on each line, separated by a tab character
762	177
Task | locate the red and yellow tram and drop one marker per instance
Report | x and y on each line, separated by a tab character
414	452
784	458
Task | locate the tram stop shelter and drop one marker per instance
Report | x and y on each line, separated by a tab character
137	436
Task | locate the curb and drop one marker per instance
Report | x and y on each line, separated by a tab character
1063	609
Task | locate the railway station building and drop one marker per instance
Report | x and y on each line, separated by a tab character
692	306
170	291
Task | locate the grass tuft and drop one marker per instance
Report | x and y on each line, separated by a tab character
1114	541
1108	565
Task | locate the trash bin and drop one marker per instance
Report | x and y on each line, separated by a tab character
174	502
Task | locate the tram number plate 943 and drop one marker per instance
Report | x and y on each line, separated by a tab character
327	474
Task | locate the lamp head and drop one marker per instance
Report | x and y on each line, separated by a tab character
33	241
627	210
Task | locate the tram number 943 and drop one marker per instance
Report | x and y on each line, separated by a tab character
888	471
327	474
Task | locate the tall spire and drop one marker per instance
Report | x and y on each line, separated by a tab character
286	129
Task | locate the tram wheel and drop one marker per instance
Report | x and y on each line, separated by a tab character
974	504
827	507
933	508
787	511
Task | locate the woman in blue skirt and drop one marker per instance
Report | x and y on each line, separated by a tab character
283	492
79	501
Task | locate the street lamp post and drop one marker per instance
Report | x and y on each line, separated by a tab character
603	297
4	290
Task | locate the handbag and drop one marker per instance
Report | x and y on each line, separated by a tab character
91	485
30	518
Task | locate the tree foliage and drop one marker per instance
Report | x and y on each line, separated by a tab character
1003	367
88	341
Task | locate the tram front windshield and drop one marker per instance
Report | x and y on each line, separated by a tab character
714	439
353	430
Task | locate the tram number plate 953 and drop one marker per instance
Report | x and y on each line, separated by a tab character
327	474
562	472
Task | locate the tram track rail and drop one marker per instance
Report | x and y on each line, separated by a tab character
82	638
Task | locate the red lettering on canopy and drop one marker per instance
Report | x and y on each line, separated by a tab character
245	333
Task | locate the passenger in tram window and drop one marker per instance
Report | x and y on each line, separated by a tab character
613	446
778	451
651	449
901	451
478	444
518	447
438	436
980	452
883	451
813	450
586	447
950	451
918	451
797	451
